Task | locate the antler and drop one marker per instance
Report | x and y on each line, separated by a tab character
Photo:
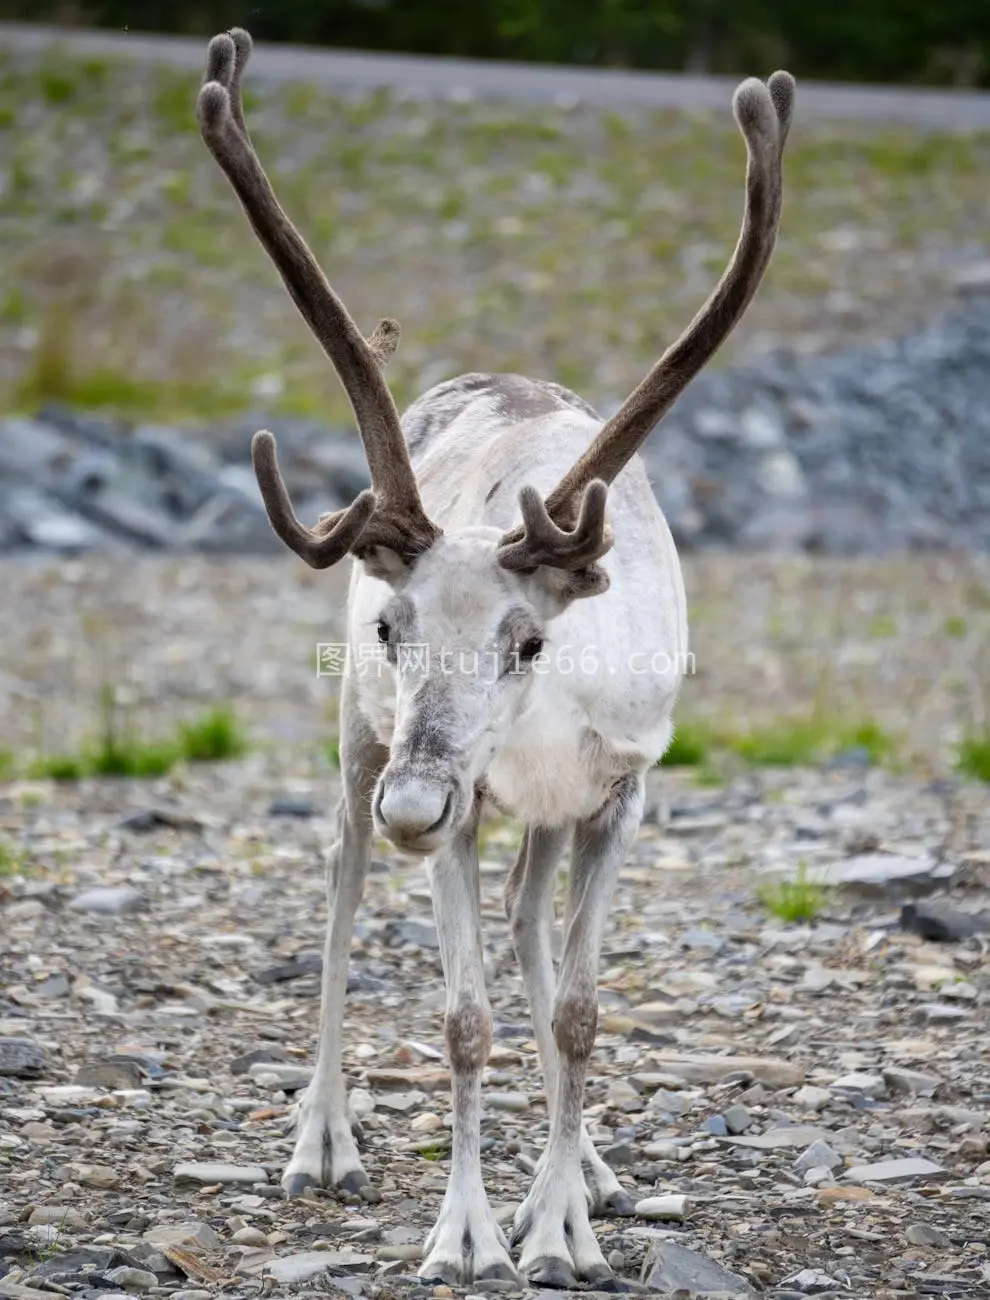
390	513
763	114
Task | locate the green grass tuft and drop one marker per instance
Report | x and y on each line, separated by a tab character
216	736
794	744
11	861
689	747
973	757
794	901
58	767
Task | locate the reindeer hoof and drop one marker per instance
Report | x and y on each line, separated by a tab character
296	1184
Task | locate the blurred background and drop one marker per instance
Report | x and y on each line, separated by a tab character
876	40
556	195
827	478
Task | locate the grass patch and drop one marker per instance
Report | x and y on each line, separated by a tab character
794	901
11	860
973	757
332	751
215	737
806	742
690	747
7	764
795	744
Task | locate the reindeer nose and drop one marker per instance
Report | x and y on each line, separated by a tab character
411	811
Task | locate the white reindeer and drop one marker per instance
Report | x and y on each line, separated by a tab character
557	729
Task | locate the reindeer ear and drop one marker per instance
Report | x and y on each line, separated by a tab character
551	590
385	564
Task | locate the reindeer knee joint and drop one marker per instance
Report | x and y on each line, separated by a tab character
468	1029
575	1023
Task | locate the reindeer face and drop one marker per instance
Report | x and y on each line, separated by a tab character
465	641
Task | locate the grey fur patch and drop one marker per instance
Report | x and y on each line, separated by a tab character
513	397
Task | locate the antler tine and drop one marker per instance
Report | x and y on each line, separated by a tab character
543	542
763	114
320	547
397	518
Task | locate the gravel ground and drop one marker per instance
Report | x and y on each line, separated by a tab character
767	1073
155	934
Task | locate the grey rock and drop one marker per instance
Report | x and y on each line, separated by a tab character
20	1058
286	807
209	1172
258	1056
291	1269
942	924
131	1279
421	934
926	1234
882	875
909	1082
867	1085
778	1139
812	1281
669	1268
908	1170
191	1235
109	900
109	1074
818	1154
620	1155
737	1119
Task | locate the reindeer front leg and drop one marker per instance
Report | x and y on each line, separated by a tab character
325	1153
552	1224
466	1243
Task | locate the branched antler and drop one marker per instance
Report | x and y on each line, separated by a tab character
391	513
763	114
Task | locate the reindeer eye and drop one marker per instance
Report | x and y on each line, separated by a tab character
383	631
531	648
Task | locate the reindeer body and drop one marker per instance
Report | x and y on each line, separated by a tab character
583	620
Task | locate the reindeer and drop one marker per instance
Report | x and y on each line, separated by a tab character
442	562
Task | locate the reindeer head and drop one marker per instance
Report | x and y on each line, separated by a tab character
475	592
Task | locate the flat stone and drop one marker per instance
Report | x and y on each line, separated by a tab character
112	1075
867	1085
880	875
208	1172
670	1268
675	1207
259	1055
836	1195
909	1082
895	1171
943	924
511	1101
61	1216
811	1281
131	1279
427	1078
777	1139
290	1269
109	900
189	1235
770	1071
